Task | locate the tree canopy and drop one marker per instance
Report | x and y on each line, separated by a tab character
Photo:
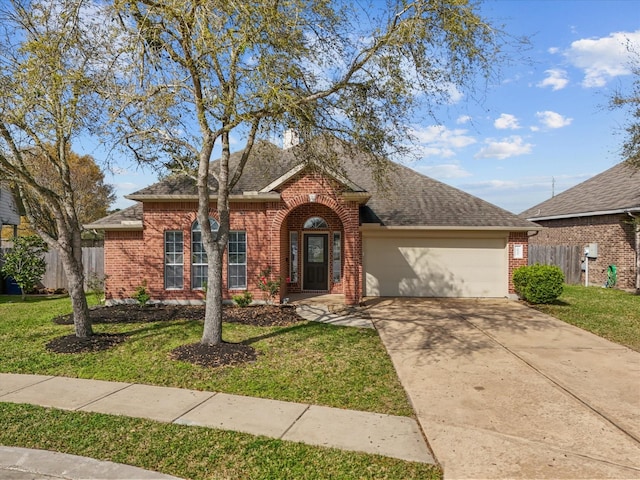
53	59
92	196
630	101
212	73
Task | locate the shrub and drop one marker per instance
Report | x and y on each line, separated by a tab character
142	295
538	283
95	285
243	299
25	262
520	278
270	287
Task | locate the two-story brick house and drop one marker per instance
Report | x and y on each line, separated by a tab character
320	230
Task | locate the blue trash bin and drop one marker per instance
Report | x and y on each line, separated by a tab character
11	287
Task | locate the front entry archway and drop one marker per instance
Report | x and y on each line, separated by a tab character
316	261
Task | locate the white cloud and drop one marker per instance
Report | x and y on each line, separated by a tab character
553	50
556	79
455	94
553	120
602	59
438	140
444	171
462	119
512	146
518	194
506	121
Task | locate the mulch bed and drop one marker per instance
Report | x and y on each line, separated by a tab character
199	354
94	343
215	355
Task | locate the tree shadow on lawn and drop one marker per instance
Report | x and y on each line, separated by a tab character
210	356
17	299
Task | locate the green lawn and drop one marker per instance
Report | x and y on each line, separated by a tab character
306	362
192	452
609	313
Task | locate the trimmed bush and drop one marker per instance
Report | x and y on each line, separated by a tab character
243	299
538	283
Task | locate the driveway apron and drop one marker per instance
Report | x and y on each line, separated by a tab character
503	391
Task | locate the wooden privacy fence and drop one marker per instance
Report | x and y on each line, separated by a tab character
54	277
567	257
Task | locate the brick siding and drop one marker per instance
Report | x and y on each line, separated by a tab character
132	258
137	256
517	238
123	263
614	235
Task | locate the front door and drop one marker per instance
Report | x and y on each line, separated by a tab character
316	261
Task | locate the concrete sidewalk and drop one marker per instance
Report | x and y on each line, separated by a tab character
29	464
392	436
504	391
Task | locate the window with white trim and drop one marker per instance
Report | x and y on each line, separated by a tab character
173	259
337	257
199	261
237	260
293	257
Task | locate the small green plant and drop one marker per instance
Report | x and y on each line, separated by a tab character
243	299
269	286
95	286
141	294
25	262
538	283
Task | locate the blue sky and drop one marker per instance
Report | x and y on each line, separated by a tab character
543	127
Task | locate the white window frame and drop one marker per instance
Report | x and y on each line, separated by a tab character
294	256
231	286
336	257
196	231
174	258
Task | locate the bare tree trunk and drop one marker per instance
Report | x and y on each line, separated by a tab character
212	333
74	270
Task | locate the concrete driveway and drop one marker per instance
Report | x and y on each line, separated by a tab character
503	391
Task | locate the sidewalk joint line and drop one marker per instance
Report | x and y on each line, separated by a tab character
294	422
213	394
51	377
103	396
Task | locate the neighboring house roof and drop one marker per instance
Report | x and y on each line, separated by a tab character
126	219
616	190
9	214
407	199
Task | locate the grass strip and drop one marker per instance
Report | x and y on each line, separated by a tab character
192	452
609	313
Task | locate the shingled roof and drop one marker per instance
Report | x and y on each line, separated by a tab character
126	219
616	190
407	198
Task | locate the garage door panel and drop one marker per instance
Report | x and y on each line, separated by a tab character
435	267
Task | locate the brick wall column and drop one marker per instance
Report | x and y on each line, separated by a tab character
352	256
517	238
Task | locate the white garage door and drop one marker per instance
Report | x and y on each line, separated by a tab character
435	267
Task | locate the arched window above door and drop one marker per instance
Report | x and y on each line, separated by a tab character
315	223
